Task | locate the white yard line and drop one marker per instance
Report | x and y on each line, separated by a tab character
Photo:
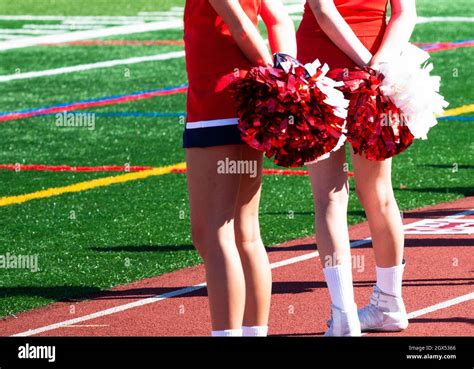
39	18
61	27
9	37
175	13
86	67
171	19
297	16
25	32
90	34
445	19
116	21
279	264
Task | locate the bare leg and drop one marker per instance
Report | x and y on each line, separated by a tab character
213	199
331	196
258	278
375	192
386	310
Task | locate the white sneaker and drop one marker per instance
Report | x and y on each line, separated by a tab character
343	323
385	313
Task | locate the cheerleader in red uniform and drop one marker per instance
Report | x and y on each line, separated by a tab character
345	34
222	43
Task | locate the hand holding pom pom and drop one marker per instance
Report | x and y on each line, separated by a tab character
391	103
409	85
292	113
375	125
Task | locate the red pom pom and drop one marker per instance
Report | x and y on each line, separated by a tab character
284	114
375	126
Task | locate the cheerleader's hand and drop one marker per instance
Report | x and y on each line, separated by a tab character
409	84
378	59
287	62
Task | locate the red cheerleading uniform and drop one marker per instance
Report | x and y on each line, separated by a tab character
367	18
213	62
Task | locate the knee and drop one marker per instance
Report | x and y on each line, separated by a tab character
327	199
203	239
249	246
377	198
209	240
361	194
198	236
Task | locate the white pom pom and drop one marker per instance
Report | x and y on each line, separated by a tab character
312	68
413	90
334	98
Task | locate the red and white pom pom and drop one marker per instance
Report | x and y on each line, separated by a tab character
391	103
375	127
409	85
295	116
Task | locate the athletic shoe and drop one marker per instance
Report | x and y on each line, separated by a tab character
385	313
343	323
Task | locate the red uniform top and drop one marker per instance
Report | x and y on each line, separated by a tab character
213	61
367	18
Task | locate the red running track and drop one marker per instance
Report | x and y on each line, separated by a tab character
439	268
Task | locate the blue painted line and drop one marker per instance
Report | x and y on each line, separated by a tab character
434	45
123	114
462	41
139	114
96	99
157	114
469	118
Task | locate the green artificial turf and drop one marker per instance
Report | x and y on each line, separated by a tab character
96	239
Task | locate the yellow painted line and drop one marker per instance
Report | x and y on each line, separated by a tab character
107	181
458	111
88	185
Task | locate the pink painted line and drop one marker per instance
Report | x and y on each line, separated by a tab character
443	47
121	168
91	103
433	47
68	168
278	172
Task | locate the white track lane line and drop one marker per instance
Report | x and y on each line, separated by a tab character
149	300
86	67
90	34
183	291
459	215
441	305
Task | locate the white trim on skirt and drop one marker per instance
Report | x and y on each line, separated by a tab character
212	123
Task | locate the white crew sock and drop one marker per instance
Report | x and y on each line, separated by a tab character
339	281
389	280
255	331
227	333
